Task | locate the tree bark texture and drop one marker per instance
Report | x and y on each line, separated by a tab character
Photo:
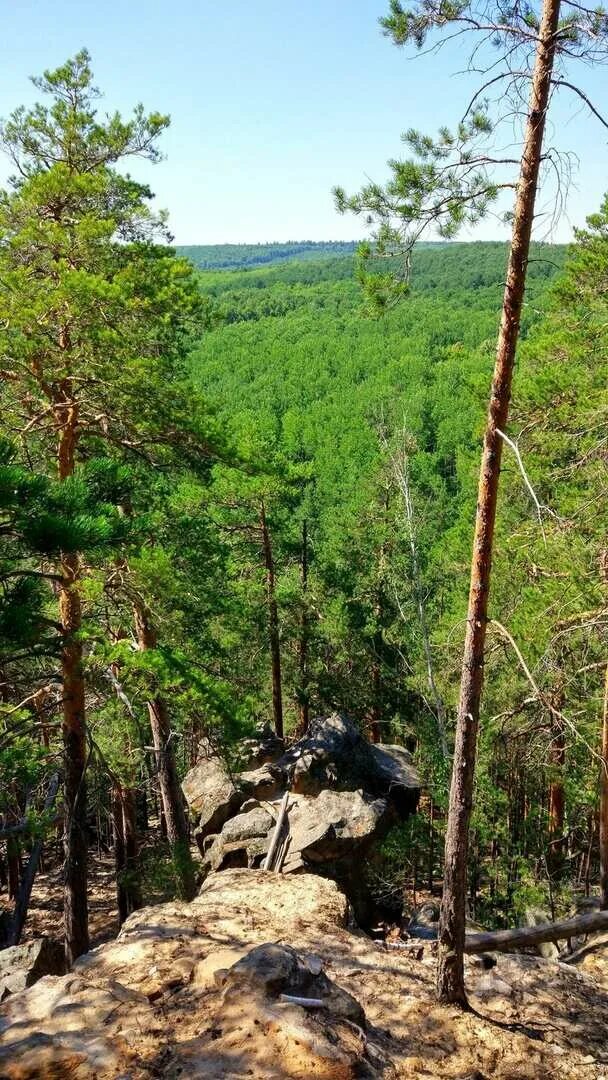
604	803
74	720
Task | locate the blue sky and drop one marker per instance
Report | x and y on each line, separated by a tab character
272	103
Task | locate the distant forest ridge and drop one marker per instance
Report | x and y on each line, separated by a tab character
241	256
254	256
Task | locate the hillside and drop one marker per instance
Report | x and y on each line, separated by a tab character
297	369
242	256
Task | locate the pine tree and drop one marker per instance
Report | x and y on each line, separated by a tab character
95	320
449	184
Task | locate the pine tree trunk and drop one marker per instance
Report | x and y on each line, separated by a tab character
557	802
604	803
450	973
431	862
13	863
170	790
74	722
129	828
273	626
22	900
375	716
128	894
304	698
119	855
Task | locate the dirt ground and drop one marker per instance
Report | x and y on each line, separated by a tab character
154	1003
45	914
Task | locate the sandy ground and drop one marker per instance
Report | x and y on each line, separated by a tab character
150	1003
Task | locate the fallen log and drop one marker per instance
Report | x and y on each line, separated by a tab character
590	946
524	936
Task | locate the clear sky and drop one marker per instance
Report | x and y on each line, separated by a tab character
272	103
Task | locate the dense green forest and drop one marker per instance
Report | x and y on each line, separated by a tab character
240	256
233	495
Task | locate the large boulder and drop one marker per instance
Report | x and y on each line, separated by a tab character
274	971
344	794
334	754
243	840
333	825
23	965
211	794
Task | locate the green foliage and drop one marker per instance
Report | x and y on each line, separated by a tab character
209	400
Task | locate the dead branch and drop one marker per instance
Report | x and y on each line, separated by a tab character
525	936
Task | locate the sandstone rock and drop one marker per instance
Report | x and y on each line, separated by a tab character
334	754
23	965
211	794
242	842
256	822
262	783
344	795
273	969
333	825
99	1023
265	747
394	773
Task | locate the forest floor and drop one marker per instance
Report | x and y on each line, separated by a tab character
156	1002
45	914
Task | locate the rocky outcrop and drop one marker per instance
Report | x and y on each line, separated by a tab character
211	794
23	965
344	794
276	973
205	990
195	990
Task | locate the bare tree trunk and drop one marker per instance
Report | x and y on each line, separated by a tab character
273	626
375	714
431	862
119	854
74	721
378	655
13	848
401	471
304	697
450	972
22	899
171	793
557	801
604	803
125	851
129	828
